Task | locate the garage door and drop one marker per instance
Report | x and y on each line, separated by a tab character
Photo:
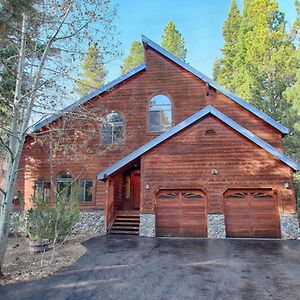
251	213
181	213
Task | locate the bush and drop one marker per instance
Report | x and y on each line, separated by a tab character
53	223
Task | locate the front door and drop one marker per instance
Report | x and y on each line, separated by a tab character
135	188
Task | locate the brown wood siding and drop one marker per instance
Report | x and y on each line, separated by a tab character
118	183
131	99
189	160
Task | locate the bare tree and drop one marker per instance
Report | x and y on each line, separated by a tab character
48	55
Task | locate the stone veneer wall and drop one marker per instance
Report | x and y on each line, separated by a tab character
216	226
89	222
289	225
147	225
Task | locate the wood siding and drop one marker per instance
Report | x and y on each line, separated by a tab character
211	156
131	99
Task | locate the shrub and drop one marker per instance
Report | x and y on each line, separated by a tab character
53	223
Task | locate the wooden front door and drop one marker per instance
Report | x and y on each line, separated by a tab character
251	213
135	189
181	213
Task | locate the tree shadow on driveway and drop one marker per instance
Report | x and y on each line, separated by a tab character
131	267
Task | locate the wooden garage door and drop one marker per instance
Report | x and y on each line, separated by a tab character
181	213
251	213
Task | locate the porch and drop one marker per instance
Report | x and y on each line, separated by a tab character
122	207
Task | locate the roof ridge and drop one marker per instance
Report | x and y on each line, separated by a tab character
215	85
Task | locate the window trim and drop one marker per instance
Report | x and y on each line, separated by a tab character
43	181
84	202
148	112
61	180
124	129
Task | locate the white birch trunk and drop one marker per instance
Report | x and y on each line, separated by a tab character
15	146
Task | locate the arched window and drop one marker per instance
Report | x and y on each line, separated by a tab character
160	114
113	129
63	183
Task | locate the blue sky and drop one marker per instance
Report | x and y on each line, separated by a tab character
199	21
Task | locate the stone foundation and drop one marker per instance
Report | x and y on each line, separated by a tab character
147	225
89	222
289	225
216	226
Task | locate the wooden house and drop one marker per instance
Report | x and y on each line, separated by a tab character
186	157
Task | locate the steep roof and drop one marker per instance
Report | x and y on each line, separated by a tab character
216	86
90	96
187	122
142	67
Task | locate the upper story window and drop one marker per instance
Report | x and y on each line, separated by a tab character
112	129
160	114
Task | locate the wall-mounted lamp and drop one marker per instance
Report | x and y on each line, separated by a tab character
147	186
286	184
214	172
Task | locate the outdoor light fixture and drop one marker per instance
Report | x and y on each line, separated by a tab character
286	184
214	172
147	186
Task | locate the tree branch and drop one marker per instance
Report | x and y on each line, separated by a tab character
2	191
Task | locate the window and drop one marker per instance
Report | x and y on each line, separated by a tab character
169	196
113	129
86	190
63	183
42	190
160	114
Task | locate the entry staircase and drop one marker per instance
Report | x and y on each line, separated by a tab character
126	222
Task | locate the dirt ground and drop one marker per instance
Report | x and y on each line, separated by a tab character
20	265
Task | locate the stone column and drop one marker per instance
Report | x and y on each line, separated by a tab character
147	225
289	225
216	226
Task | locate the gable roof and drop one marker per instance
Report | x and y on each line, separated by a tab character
89	96
187	122
142	67
216	86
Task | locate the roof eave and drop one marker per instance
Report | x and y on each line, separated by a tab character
88	97
187	122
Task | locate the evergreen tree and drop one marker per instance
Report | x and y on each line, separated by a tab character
173	41
226	66
292	94
264	62
93	71
263	59
135	57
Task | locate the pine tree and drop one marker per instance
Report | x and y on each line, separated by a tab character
135	57
292	94
173	41
93	72
226	68
264	58
264	61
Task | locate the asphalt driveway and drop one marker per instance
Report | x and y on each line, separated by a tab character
141	268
